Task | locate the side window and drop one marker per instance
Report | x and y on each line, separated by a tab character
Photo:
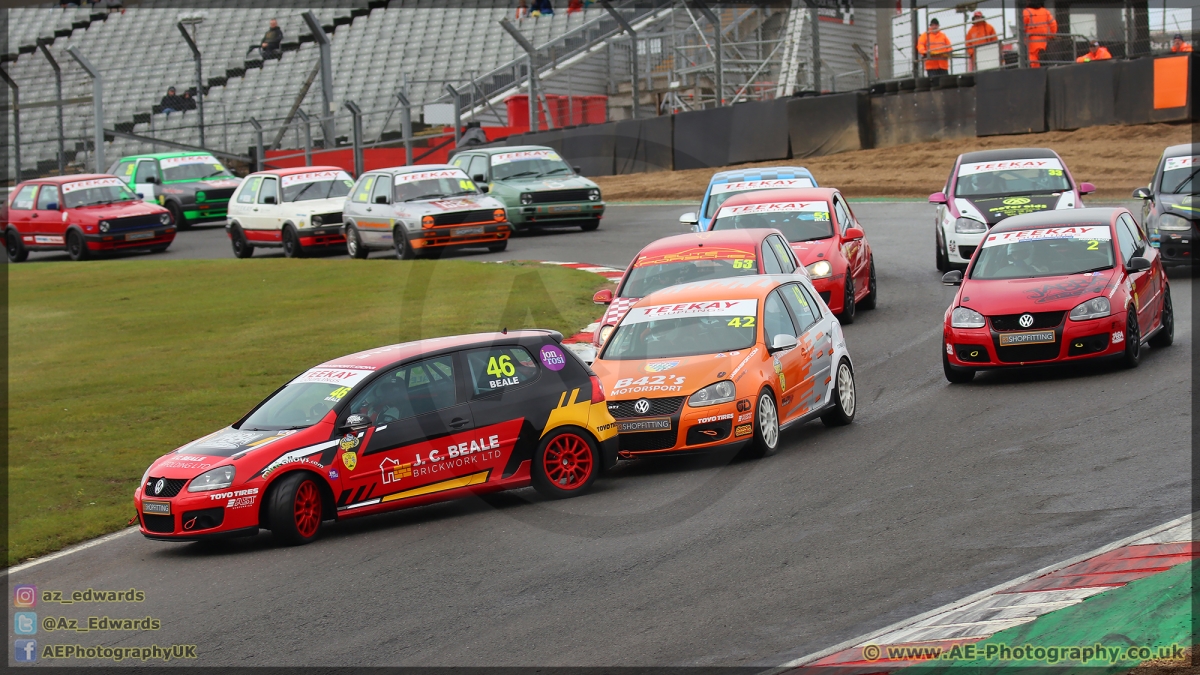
1139	242
48	196
418	388
784	252
146	168
249	190
770	262
842	216
24	199
362	191
269	188
460	161
479	165
801	303
382	189
498	368
1125	241
776	320
124	170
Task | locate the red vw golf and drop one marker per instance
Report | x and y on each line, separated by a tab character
83	214
825	235
1057	286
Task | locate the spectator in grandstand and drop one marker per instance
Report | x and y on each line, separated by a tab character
187	102
1040	26
1179	46
542	8
981	33
1096	53
522	9
934	47
115	6
271	40
171	102
574	6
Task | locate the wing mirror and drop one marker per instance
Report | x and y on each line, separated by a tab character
603	297
52	206
479	178
689	218
853	233
141	196
150	180
483	187
1142	193
269	199
1086	188
938	198
381	199
577	170
1137	264
356	422
783	341
952	278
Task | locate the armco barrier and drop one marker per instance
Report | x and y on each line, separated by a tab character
1081	95
825	125
760	131
644	145
1013	101
591	148
1133	91
922	116
701	138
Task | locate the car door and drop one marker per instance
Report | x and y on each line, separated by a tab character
816	345
791	365
417	412
267	211
853	250
478	167
1146	283
47	215
20	211
380	212
242	207
1139	281
145	178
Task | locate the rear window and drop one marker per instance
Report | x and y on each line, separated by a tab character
798	221
655	272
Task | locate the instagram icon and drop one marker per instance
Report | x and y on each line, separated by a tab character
25	596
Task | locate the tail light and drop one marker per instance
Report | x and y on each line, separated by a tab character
597	390
498	215
426	221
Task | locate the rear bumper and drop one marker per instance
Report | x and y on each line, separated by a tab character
608	452
555	214
437	237
978	348
144	239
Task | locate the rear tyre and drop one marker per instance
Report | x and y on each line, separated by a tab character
956	375
181	223
590	225
404	249
766	427
354	245
943	260
241	247
1133	340
159	249
291	243
295	509
566	463
845	402
1166	335
15	249
76	246
496	248
872	290
848	309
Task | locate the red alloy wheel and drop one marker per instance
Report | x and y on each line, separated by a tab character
307	509
568	462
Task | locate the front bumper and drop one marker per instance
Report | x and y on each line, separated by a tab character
960	247
459	235
326	235
979	348
206	211
832	290
555	214
692	430
160	236
1175	248
200	515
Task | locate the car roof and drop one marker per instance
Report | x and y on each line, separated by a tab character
414	168
165	155
295	170
382	357
511	148
729	288
1006	153
782	195
1182	150
1058	218
760	173
699	239
59	180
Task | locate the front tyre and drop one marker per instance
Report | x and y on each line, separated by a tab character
291	242
354	244
956	375
241	247
181	223
565	464
15	248
766	427
295	509
872	289
591	225
848	308
498	247
1166	335
845	402
1133	340
76	246
404	249
943	259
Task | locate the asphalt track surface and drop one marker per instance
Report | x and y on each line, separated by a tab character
935	492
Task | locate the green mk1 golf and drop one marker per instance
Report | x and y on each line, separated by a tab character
537	187
193	186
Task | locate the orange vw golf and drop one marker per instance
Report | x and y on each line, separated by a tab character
727	361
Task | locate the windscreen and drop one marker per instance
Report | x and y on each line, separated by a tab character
193	167
1054	251
723	191
798	221
1011	177
528	164
684	329
1179	175
423	185
303	187
305	400
655	272
98	191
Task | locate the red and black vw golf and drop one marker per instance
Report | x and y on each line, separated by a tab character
398	426
1057	286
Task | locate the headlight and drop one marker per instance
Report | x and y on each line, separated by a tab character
426	221
145	477
718	392
594	195
966	318
104	225
164	218
216	479
316	220
969	226
1170	222
1092	309
200	196
526	198
819	269
605	333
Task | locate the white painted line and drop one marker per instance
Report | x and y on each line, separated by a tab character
68	551
1181	522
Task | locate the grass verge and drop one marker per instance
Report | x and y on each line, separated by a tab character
112	364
